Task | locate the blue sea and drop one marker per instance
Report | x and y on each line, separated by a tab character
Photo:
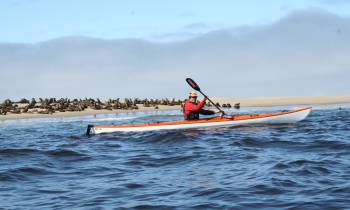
51	164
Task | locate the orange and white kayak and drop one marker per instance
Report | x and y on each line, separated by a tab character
285	117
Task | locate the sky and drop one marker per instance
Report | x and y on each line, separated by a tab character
32	21
86	48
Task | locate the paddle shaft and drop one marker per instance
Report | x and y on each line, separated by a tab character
212	102
195	86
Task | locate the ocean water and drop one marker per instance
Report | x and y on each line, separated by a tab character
52	164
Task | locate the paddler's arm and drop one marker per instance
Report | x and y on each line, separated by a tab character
193	107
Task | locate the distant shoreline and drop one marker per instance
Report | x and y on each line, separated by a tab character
285	101
244	102
86	112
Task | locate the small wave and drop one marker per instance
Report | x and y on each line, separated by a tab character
304	172
284	182
22	173
75	137
206	192
266	190
150	206
30	170
328	144
51	191
149	161
302	162
208	205
254	142
64	153
167	137
17	152
307	166
320	170
280	166
133	185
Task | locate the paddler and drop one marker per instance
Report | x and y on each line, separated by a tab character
192	108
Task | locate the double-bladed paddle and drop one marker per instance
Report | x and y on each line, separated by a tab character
194	85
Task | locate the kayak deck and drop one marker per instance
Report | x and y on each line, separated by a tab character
272	118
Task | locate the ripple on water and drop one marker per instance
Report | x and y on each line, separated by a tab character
22	173
16	152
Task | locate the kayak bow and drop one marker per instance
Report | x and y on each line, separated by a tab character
285	117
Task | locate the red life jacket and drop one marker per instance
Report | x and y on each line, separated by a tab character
191	110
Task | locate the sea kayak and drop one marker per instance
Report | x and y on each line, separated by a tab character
285	117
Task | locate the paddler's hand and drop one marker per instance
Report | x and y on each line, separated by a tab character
221	113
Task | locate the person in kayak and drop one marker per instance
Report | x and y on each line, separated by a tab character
192	109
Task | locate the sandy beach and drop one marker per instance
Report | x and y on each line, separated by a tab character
11	116
285	101
261	101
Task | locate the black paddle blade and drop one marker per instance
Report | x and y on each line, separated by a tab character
193	84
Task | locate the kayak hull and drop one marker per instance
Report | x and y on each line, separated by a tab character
286	117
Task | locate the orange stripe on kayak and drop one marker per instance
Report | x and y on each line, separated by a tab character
210	120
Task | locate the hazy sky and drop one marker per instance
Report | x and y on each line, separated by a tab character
147	48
